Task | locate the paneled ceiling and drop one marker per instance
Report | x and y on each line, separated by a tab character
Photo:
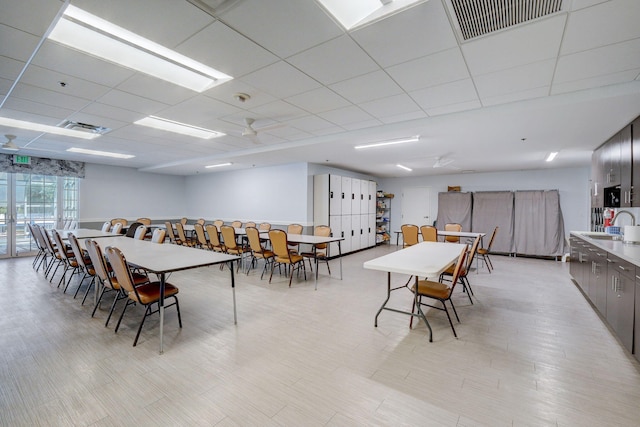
564	82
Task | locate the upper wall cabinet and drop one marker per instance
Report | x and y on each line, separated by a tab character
635	169
612	166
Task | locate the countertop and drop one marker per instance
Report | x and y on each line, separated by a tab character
627	251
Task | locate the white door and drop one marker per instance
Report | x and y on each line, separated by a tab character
356	232
416	206
335	222
372	230
364	197
346	195
346	232
372	197
335	195
355	196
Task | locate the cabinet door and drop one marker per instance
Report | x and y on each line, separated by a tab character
620	299
355	196
335	195
598	276
635	179
636	331
346	233
335	222
346	195
372	230
364	231
356	232
625	166
364	197
597	178
372	197
612	161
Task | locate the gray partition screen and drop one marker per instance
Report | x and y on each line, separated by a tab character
454	207
493	209
538	223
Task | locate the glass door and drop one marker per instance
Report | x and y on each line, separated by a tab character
6	229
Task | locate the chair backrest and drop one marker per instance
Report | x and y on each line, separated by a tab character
98	262
77	252
493	236
218	223
249	224
183	221
202	239
229	236
49	244
452	227
145	221
279	243
131	231
264	226
141	231
66	224
180	229
294	229
429	233
106	226
73	225
322	231
119	220
37	234
254	239
119	265
169	229
158	235
458	269
61	248
409	234
472	253
236	224
200	221
214	238
117	228
32	231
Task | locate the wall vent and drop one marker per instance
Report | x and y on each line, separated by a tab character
84	127
479	17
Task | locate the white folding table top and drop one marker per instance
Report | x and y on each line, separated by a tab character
426	259
85	233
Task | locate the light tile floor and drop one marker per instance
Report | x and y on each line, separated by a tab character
531	352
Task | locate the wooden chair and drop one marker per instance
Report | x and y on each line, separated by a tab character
429	233
236	224
200	221
184	220
172	237
41	249
201	238
257	251
283	256
52	254
264	226
182	237
464	271
438	291
122	221
145	221
158	235
231	244
452	227
409	235
141	231
484	252
218	223
294	229
249	224
319	252
214	238
108	281
85	266
147	294
68	260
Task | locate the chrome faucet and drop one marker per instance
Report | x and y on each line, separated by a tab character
633	218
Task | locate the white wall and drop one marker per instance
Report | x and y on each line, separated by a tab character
276	194
115	192
573	184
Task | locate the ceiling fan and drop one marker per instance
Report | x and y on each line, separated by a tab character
252	133
10	145
443	162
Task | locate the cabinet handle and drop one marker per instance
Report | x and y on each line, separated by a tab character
622	268
637	277
331	194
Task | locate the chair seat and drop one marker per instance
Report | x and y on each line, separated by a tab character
150	292
432	289
138	279
482	251
294	257
264	254
449	271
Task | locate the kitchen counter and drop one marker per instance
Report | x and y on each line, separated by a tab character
629	252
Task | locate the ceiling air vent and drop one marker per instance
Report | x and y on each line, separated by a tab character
480	17
84	127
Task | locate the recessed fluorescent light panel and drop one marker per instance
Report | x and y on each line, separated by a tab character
354	13
552	156
218	165
37	127
99	153
177	127
93	35
389	142
404	167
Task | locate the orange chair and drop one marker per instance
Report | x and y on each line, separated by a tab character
452	227
429	233
409	235
283	256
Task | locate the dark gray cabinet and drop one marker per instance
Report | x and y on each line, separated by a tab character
597	289
635	169
620	298
636	330
612	170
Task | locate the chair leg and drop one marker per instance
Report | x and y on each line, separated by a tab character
117	298
178	308
466	287
449	317
93	313
291	274
146	313
490	263
93	281
122	315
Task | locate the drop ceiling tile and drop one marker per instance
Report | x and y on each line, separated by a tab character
446	94
517	79
597	62
390	106
117	98
346	115
17	44
50	80
55	57
226	91
454	108
48	97
413	33
166	22
519	45
328	131
310	124
281	80
599	81
587	30
156	89
333	61
318	100
279	111
226	50
365	88
414	115
537	92
24	105
10	68
198	109
274	22
362	125
432	70
33	16
111	112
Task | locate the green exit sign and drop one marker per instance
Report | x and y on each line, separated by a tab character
21	160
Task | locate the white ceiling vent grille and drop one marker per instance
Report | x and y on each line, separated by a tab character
480	17
84	127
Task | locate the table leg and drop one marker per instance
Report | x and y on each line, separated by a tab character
340	257
233	291
161	310
385	301
421	313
